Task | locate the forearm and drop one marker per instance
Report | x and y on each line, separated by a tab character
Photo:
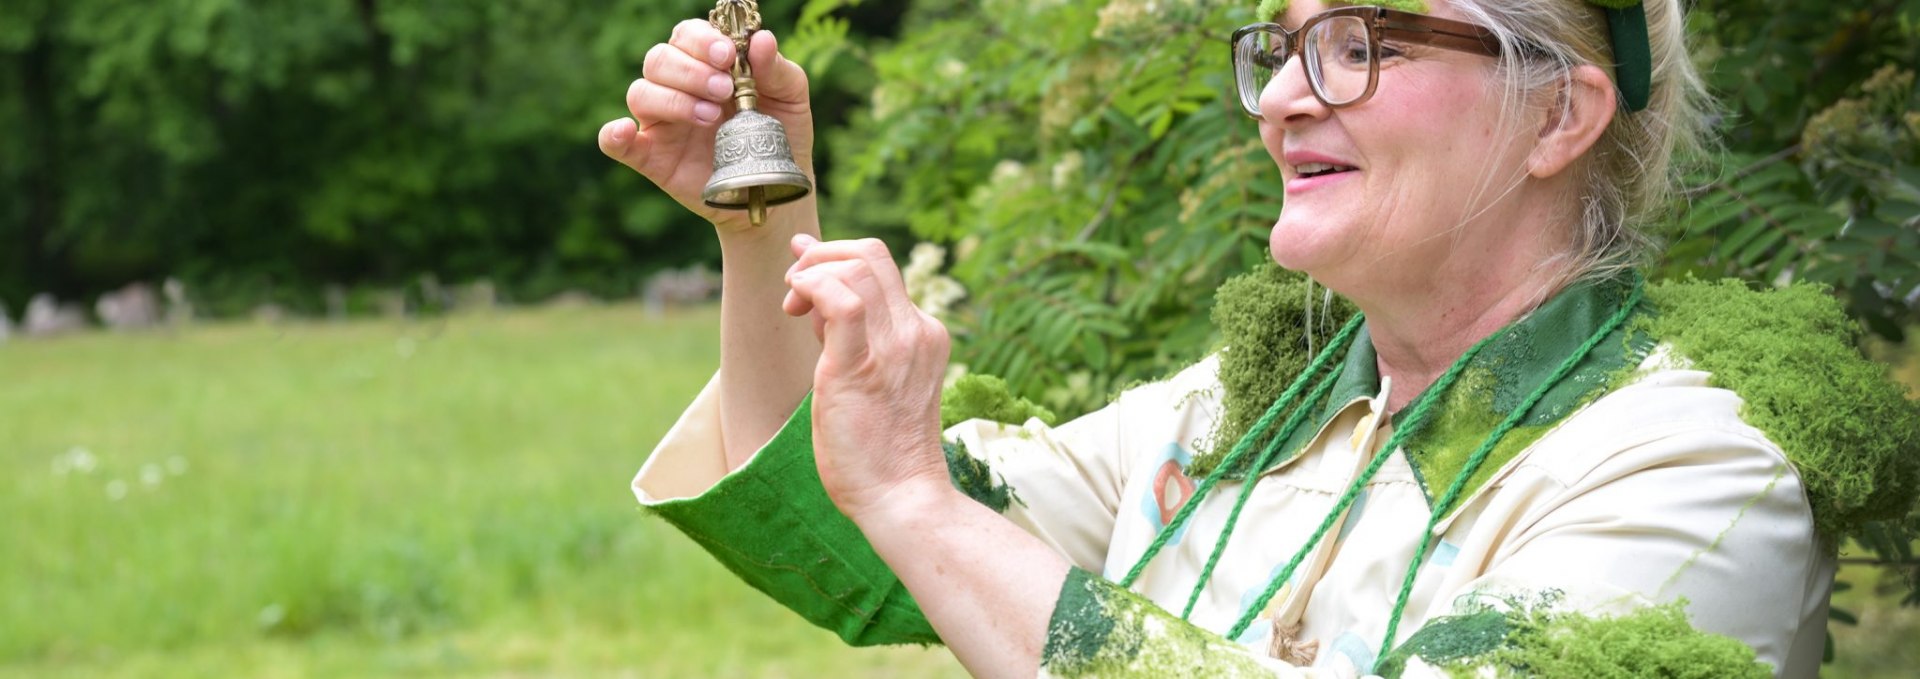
986	586
766	357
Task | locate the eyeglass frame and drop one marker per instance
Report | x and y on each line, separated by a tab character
1415	28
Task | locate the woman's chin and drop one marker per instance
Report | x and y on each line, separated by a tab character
1297	247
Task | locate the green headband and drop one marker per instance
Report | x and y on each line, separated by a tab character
1626	25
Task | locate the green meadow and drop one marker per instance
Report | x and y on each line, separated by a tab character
444	497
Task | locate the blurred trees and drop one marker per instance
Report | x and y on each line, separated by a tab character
260	150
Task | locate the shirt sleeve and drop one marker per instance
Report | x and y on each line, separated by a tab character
772	524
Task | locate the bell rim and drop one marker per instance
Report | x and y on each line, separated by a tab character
792	179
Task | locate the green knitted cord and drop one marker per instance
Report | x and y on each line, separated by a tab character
1253	476
1344	338
1445	504
1416	416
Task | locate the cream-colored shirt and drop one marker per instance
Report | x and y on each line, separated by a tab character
1655	491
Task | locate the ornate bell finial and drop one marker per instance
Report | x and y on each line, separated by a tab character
753	165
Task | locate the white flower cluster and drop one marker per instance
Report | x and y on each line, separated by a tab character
80	461
932	292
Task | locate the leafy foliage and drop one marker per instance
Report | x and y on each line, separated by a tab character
1085	161
263	150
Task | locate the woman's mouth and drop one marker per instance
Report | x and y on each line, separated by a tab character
1309	176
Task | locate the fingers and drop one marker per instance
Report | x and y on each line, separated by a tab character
673	67
846	312
810	252
652	104
854	287
700	39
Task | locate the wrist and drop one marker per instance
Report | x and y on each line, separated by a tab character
913	505
783	221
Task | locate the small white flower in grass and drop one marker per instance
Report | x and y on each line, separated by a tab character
151	475
82	460
176	465
271	616
116	489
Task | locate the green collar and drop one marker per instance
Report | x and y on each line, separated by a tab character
1517	360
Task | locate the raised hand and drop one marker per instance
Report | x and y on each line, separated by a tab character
876	389
677	106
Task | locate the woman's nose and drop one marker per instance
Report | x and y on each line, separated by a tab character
1287	98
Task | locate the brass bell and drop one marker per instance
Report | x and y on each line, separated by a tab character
753	166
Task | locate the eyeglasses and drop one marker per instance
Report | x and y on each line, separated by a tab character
1342	49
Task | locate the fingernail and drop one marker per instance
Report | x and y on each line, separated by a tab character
706	111
720	86
721	54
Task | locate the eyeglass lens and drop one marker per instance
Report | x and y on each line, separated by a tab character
1339	61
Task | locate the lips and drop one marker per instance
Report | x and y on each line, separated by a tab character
1308	170
1311	164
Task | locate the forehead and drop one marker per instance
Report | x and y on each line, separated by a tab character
1292	12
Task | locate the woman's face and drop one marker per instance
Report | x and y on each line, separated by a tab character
1416	167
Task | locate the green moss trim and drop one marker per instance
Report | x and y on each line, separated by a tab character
1537	640
1614	4
985	397
972	476
1449	639
1650	642
1792	356
1101	630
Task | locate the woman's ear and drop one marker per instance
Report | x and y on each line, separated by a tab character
1583	110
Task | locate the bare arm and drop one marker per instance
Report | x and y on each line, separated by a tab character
766	357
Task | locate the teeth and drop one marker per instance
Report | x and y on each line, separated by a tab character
1318	168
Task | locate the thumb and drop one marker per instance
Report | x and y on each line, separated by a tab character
622	140
776	76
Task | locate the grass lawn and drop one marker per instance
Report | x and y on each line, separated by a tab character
434	498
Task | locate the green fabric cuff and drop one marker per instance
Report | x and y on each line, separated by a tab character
772	524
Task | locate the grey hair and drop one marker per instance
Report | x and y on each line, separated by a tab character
1627	179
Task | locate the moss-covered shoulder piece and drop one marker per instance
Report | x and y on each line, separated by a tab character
1792	355
985	397
1271	321
1538	641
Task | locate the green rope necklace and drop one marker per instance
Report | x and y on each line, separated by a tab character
1416	416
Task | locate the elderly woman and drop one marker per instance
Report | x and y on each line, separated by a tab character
1501	438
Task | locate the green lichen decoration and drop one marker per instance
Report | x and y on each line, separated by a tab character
1539	641
1791	355
1101	630
972	476
1263	320
985	397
